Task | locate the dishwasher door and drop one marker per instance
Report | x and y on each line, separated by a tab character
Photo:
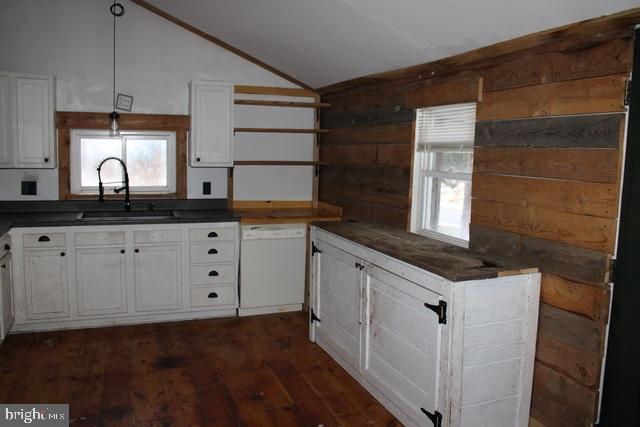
272	268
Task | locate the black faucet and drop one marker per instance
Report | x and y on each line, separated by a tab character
127	196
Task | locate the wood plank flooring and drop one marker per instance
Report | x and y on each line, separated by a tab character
251	371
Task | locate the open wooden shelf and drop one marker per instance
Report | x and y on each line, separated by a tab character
278	163
280	130
267	103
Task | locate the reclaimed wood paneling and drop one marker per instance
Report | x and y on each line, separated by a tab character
590	60
128	121
569	328
578	197
591	131
592	165
574	263
595	95
392	114
584	231
582	366
444	91
392	133
558	400
578	298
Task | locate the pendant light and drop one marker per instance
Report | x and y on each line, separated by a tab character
117	10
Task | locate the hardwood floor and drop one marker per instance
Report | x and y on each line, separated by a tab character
251	371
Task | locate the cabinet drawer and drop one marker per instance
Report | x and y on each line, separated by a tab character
213	274
212	234
100	238
157	236
44	240
211	252
210	296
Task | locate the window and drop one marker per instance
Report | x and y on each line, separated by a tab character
150	158
443	164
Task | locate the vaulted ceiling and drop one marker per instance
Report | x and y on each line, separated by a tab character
321	42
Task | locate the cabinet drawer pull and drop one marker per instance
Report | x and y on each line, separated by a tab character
213	234
7	247
212	295
46	160
197	159
62	254
4	266
44	239
213	273
121	251
212	251
136	250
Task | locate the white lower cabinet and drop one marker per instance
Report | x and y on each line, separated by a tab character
46	283
434	352
6	289
158	277
69	277
101	280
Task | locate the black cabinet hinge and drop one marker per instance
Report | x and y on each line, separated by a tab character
613	265
314	318
314	249
440	309
359	266
436	417
627	93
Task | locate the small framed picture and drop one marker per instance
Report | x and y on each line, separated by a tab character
124	102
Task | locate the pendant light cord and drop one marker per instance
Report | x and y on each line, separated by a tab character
117	10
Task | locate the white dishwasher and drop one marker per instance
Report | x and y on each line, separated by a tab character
272	268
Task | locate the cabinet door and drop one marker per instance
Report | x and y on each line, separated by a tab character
6	121
47	289
211	124
34	103
158	277
7	296
337	303
101	280
402	342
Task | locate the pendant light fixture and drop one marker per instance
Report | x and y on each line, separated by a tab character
117	10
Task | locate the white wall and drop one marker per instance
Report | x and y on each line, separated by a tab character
72	40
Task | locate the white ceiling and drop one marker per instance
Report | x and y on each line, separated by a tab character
321	42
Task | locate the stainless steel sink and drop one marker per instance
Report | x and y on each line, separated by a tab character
127	215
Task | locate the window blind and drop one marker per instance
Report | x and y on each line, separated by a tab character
447	127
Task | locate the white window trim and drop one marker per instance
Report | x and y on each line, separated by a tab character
74	169
418	172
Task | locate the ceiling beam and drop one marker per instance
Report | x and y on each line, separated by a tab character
592	30
220	43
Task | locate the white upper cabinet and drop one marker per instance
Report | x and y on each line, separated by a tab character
27	106
211	133
6	121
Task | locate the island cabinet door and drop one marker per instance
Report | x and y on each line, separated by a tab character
158	277
337	303
402	342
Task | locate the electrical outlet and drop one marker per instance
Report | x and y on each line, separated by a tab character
206	187
29	188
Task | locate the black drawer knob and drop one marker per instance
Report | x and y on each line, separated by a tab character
212	295
212	234
213	251
197	159
62	254
136	250
213	273
7	247
121	251
46	160
43	239
4	266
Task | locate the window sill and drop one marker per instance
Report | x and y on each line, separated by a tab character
134	196
443	238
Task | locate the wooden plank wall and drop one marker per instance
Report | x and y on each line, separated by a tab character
546	183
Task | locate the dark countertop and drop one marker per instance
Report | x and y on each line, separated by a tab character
449	261
59	214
